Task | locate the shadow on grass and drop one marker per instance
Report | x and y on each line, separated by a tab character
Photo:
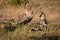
10	28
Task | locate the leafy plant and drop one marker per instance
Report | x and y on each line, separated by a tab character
9	26
18	2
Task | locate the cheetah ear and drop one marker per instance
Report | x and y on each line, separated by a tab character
42	14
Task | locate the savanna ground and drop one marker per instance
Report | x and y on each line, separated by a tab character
24	32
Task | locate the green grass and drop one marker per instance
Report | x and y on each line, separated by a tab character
52	27
20	34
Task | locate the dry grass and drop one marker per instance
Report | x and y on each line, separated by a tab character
21	34
50	8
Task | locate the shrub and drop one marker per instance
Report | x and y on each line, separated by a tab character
9	26
18	2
